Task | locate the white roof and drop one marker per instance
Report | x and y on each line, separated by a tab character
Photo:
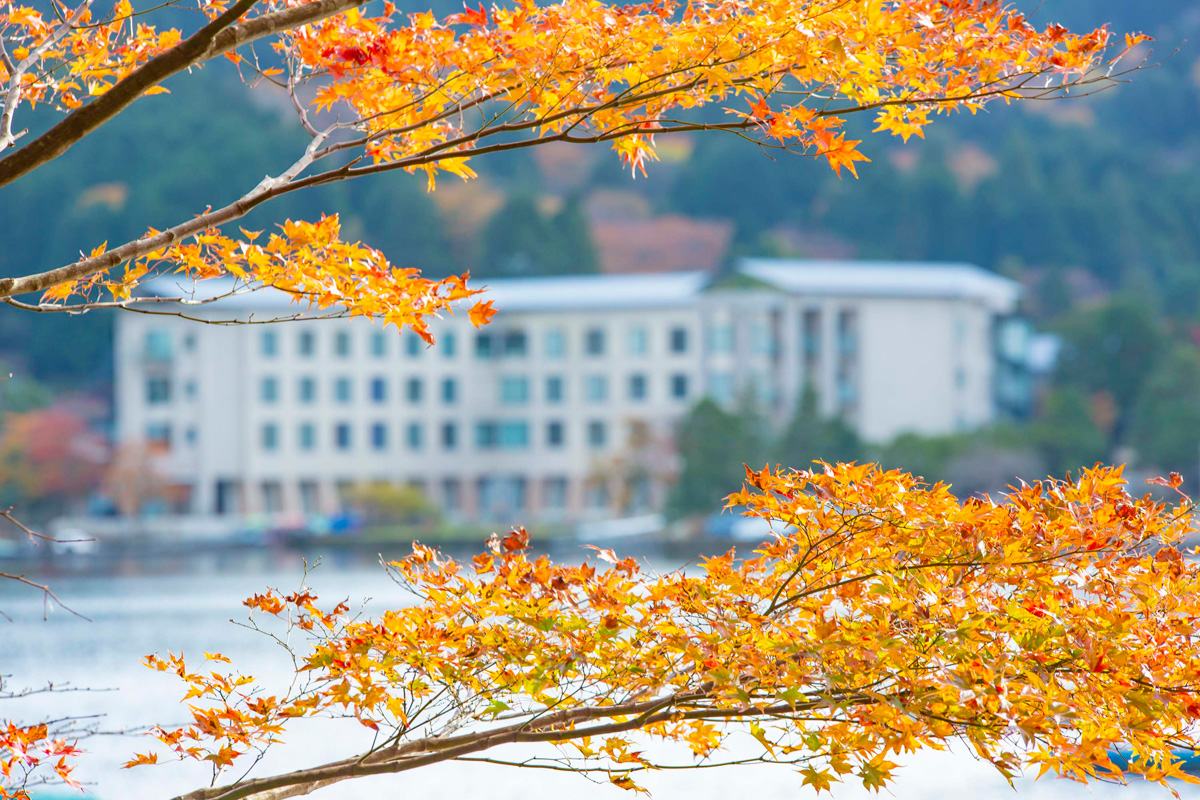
579	292
671	289
561	293
885	279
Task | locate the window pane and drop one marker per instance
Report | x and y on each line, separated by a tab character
679	340
514	434
412	390
379	436
514	389
637	387
268	344
270	436
306	343
514	344
638	341
307	390
596	434
595	388
268	390
554	389
341	344
378	390
449	391
341	390
414	435
594	342
378	344
556	343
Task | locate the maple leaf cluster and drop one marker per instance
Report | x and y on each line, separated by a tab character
882	616
308	261
23	750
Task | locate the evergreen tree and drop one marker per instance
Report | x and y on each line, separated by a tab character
713	445
1166	422
1067	436
810	438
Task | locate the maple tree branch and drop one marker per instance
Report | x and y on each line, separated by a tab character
455	148
220	36
17	72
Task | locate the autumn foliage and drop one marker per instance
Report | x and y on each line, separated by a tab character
390	92
883	616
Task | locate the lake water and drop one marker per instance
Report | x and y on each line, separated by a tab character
132	615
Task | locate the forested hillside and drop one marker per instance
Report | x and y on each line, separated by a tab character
1075	198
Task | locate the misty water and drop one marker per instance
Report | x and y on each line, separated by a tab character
190	612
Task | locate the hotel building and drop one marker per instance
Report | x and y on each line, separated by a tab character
565	406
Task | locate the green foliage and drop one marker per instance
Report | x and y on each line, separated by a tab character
1066	434
520	240
810	438
389	503
1166	420
1111	350
713	445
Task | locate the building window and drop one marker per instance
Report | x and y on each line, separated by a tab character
159	433
679	387
307	436
514	390
447	344
487	434
762	340
413	436
268	344
483	345
414	345
720	339
812	334
451	494
189	390
639	341
378	390
449	391
270	437
158	345
272	494
449	436
412	390
514	344
306	343
379	436
268	390
190	435
158	391
597	434
593	342
555	497
341	344
554	434
596	496
514	435
847	332
378	344
341	435
309	497
595	388
554	389
341	390
637	387
307	390
679	340
556	343
720	387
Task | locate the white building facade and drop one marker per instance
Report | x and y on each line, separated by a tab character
565	406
